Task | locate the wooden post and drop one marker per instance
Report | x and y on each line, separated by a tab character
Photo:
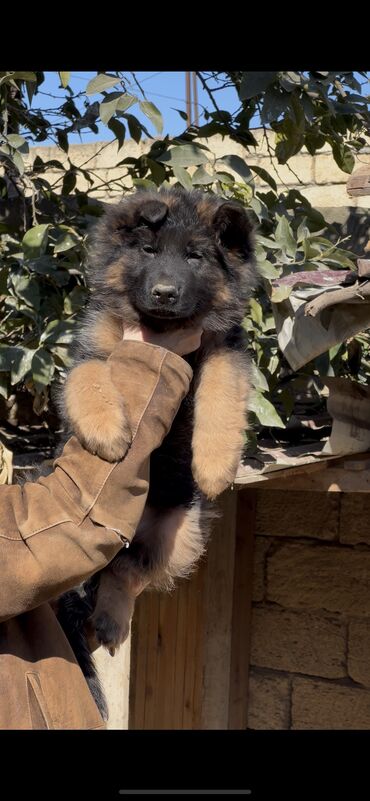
115	676
190	649
242	609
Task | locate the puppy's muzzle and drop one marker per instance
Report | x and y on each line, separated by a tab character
165	294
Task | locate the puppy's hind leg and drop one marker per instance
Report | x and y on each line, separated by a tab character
167	545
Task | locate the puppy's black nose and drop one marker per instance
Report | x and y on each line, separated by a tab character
165	293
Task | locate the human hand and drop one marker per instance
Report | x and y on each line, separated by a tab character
181	340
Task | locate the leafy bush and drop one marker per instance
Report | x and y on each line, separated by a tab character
44	222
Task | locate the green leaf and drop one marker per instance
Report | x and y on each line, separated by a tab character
19	143
4	388
343	157
75	300
22	365
30	88
302	231
26	288
255	310
258	379
311	249
119	131
62	140
265	176
264	410
14	156
157	171
116	101
16	360
134	127
239	166
182	176
101	82
8	354
64	78
183	114
253	83
267	243
333	352
184	156
24	76
35	241
275	102
45	265
256	205
280	293
43	368
68	240
69	182
225	177
61	354
267	270
314	141
153	114
145	183
289	139
60	333
201	176
284	236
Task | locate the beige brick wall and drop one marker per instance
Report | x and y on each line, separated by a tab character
317	177
310	644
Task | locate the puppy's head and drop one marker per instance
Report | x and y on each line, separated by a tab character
173	258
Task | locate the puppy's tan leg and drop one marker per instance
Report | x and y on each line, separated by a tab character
219	421
166	546
116	596
96	412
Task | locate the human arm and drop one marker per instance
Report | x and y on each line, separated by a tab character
58	531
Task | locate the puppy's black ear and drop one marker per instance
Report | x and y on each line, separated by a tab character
152	213
234	230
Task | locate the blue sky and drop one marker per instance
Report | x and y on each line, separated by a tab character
165	89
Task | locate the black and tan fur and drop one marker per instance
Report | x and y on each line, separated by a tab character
203	248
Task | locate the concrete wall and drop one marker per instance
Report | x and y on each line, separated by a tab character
310	650
317	177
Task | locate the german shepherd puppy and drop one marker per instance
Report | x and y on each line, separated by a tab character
166	260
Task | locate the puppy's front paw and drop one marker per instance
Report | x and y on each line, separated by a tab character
212	478
96	411
215	462
109	439
216	455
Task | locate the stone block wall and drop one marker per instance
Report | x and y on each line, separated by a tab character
310	648
317	177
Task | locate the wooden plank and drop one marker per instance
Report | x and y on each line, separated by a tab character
151	610
165	686
242	609
180	674
139	646
115	676
187	666
354	461
180	655
218	608
195	625
329	480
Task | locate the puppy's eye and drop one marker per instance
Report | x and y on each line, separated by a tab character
149	249
194	255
